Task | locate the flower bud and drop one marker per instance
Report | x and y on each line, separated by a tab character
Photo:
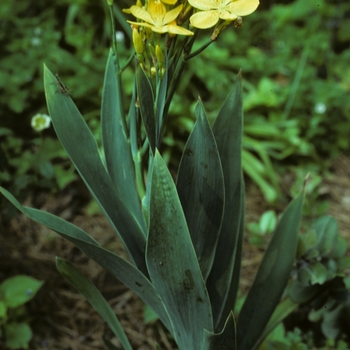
136	38
160	56
238	22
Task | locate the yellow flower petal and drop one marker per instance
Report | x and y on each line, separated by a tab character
204	5
141	13
243	7
172	15
204	19
158	18
227	16
227	10
170	2
172	29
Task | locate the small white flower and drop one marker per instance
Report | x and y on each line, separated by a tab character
40	122
320	108
119	36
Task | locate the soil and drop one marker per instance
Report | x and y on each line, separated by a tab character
60	317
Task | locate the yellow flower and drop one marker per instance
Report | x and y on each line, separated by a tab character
213	10
158	18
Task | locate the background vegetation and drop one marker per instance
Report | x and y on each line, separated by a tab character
294	58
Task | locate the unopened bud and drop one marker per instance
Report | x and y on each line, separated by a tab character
136	38
110	2
160	56
238	22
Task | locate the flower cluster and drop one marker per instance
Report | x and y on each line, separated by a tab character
161	15
159	18
156	17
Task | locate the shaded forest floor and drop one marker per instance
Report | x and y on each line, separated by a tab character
60	317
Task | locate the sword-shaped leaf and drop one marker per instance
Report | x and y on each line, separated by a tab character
225	340
222	285
146	102
172	262
271	277
115	142
200	185
78	141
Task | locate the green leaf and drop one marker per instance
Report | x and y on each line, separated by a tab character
149	315
161	99
83	151
94	297
271	277
226	340
306	242
18	335
115	143
326	228
18	290
331	320
267	222
256	170
200	185
146	102
172	262
300	293
284	308
223	279
339	249
118	267
313	272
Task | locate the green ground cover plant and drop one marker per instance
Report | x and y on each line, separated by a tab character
15	332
